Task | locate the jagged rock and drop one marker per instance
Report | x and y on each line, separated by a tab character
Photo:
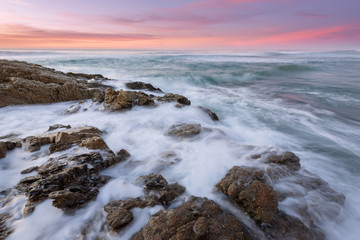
185	130
142	85
58	147
169	193
247	187
122	100
153	181
198	218
285	227
170	97
118	218
29	170
76	134
4	230
57	126
34	143
123	153
288	159
25	83
211	114
84	75
94	143
3	149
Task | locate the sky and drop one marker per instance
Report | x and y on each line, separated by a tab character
180	24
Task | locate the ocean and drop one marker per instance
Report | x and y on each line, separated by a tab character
304	102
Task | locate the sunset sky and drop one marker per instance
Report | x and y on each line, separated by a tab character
180	24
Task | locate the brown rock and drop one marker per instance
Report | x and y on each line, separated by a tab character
4	230
118	218
153	181
122	100
29	170
170	97
211	114
34	143
94	143
288	159
246	186
198	218
142	85
3	150
58	147
57	126
25	83
185	130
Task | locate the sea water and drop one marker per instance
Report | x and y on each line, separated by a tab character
305	102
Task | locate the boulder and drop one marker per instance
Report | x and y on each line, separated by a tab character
25	83
123	100
247	187
153	181
185	130
142	85
94	143
287	159
199	218
170	97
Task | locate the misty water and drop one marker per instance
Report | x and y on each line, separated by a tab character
304	102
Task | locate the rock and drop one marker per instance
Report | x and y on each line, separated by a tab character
58	147
122	100
29	170
94	143
87	76
247	187
211	114
198	218
72	109
142	85
4	230
123	154
170	97
75	135
118	218
185	130
25	83
153	181
169	193
34	143
285	227
3	149
288	159
57	126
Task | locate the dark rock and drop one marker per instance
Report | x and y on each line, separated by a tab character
29	170
34	143
198	218
87	76
288	159
169	193
185	130
247	187
25	83
170	97
4	230
3	149
123	154
57	126
76	135
122	100
142	85
285	227
211	114
118	218
153	181
58	147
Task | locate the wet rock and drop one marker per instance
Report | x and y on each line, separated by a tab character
185	130
198	218
123	154
170	97
34	143
211	114
142	85
153	181
57	126
247	187
4	230
58	147
169	193
25	83
94	143
118	218
288	159
29	170
285	227
3	150
122	100
87	76
73	109
75	135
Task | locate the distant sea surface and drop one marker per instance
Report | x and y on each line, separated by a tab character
304	102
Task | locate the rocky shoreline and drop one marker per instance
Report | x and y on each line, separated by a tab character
74	178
